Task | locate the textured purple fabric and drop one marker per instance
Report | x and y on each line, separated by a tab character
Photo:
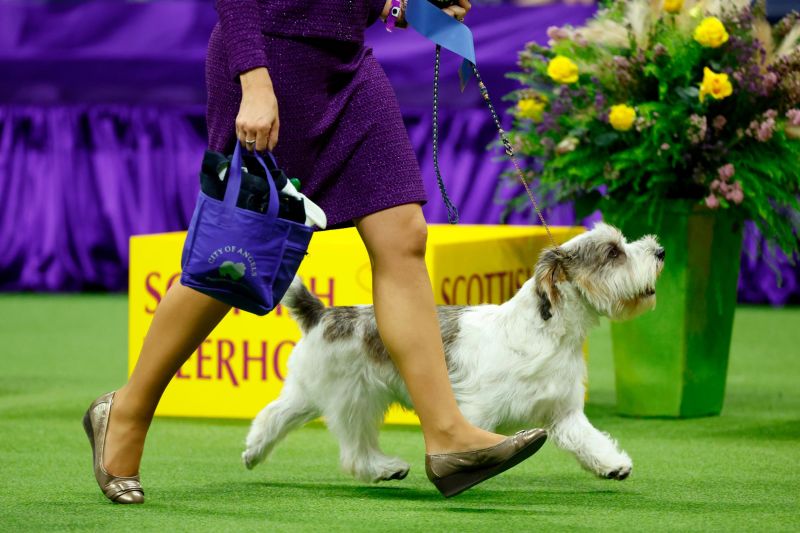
243	21
341	131
102	132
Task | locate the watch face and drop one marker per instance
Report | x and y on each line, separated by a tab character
395	11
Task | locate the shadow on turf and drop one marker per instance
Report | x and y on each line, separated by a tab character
242	498
386	492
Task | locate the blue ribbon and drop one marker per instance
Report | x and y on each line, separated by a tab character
444	30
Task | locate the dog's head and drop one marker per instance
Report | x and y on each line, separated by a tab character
616	278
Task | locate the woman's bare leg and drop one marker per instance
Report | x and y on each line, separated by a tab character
406	315
182	320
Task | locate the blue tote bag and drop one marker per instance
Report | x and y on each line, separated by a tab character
237	256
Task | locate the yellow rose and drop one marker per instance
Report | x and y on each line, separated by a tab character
532	108
717	85
711	33
673	6
562	70
622	117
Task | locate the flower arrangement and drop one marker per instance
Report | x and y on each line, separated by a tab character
667	99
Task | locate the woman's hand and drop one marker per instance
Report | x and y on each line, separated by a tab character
459	10
258	112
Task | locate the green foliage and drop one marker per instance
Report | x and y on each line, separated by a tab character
690	138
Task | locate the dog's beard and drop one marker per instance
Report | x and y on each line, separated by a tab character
643	300
621	300
636	306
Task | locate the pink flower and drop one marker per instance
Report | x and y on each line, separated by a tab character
621	61
794	117
698	127
726	172
770	113
762	131
715	185
735	194
712	202
665	147
770	80
765	130
719	122
557	34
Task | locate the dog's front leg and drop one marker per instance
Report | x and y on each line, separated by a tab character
595	450
354	416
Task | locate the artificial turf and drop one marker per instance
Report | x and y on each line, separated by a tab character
738	471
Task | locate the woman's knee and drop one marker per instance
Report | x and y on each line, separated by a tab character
414	237
397	233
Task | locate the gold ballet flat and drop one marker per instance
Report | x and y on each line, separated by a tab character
453	473
95	423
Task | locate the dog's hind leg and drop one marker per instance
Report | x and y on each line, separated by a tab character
355	418
289	411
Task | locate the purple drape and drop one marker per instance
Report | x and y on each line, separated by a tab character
77	181
102	129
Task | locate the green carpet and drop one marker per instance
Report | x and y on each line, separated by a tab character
738	471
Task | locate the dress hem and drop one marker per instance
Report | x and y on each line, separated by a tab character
386	202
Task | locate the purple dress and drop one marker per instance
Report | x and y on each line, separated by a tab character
341	131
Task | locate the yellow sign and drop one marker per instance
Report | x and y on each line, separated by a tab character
241	366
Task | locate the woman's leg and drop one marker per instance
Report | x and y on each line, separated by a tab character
406	315
182	320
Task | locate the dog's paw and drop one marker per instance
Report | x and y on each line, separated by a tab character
250	458
619	473
397	474
382	469
389	469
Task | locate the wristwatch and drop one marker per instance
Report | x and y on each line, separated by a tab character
393	19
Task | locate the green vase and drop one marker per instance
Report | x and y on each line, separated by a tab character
673	361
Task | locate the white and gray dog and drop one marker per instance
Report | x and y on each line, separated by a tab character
519	364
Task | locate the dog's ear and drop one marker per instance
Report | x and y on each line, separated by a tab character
550	270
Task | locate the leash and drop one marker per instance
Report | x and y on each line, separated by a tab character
445	31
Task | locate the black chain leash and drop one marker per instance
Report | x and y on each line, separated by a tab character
452	211
506	146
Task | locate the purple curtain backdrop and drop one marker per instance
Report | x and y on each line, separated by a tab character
102	129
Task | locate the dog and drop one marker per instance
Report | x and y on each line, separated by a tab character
513	365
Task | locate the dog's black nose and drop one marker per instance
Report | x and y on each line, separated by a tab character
660	254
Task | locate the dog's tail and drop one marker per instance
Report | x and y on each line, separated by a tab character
304	307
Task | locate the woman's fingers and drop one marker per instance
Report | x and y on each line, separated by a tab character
263	132
465	4
262	136
265	136
456	12
246	132
273	135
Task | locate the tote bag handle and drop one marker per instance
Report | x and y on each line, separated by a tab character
235	183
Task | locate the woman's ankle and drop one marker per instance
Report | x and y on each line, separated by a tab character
129	408
458	436
125	437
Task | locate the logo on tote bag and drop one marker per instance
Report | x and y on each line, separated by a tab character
235	262
232	270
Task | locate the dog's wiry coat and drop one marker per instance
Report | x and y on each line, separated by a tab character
513	365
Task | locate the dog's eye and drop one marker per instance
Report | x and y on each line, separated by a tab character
613	252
